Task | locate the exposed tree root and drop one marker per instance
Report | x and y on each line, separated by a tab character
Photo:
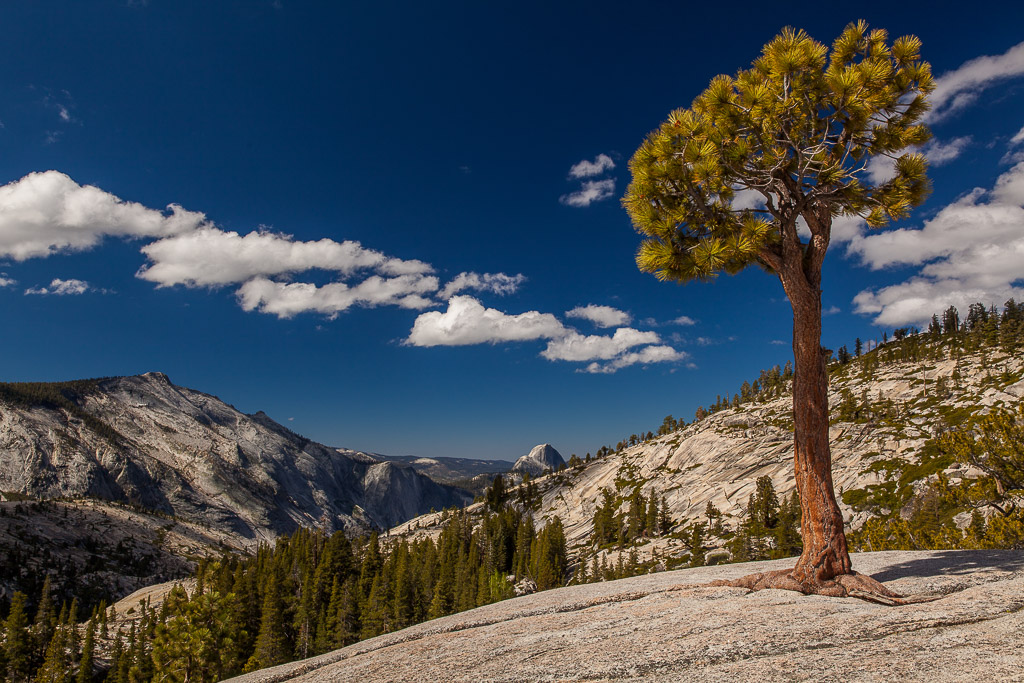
852	585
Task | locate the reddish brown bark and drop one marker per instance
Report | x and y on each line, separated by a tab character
825	554
824	566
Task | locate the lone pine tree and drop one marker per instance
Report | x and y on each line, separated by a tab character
797	132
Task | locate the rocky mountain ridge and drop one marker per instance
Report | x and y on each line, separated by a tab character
719	458
443	470
93	549
185	453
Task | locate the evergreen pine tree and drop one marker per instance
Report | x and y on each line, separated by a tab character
402	610
349	618
652	515
72	624
696	544
271	644
85	664
304	622
375	619
116	657
45	621
17	646
664	518
56	667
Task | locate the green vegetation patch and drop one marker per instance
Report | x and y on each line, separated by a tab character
67	396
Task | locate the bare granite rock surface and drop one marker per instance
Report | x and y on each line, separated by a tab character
189	455
541	457
670	627
719	459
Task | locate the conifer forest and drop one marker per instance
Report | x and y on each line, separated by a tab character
311	593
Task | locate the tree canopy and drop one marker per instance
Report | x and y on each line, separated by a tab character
798	133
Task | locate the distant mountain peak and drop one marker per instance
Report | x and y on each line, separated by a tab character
156	375
178	451
540	458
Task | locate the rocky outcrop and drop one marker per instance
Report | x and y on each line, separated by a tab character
541	458
445	470
719	459
187	454
672	627
94	549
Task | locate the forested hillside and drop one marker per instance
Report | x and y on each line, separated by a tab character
904	409
306	594
928	439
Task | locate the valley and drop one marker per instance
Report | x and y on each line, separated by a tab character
120	484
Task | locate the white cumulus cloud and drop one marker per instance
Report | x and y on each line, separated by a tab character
971	251
585	169
498	283
645	356
467	322
287	299
578	347
60	287
213	257
591	191
48	212
602	316
7	281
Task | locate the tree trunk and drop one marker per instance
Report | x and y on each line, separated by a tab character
825	554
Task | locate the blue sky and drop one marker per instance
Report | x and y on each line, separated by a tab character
396	227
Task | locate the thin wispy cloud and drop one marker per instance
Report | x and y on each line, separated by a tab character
496	283
591	191
957	89
60	287
938	153
1015	153
602	316
586	169
7	281
578	347
645	356
288	299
